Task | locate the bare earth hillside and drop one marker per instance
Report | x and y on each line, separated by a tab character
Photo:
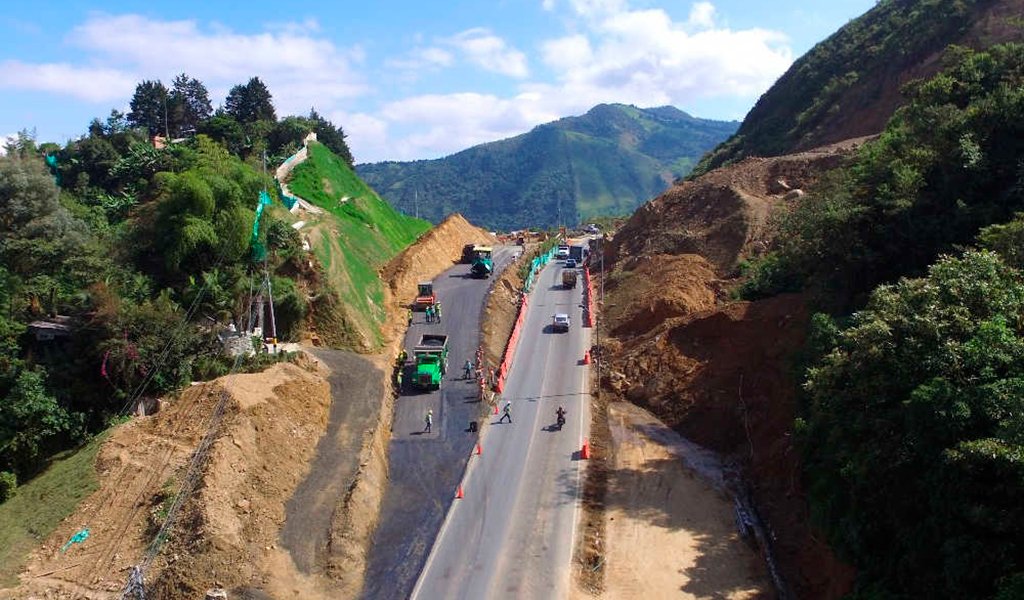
715	370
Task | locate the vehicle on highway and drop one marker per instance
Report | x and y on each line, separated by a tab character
560	322
483	264
568	278
576	253
593	228
431	356
570	263
424	295
562	252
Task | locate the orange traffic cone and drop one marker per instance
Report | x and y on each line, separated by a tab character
585	451
586	357
479	450
458	492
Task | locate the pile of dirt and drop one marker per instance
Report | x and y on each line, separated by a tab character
724	216
716	371
431	255
227	532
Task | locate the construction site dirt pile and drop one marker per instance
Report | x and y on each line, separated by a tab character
227	532
436	251
715	370
724	215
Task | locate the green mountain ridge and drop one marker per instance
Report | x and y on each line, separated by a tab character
605	162
849	84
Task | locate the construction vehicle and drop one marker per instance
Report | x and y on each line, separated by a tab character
431	355
576	253
424	295
483	264
568	278
467	254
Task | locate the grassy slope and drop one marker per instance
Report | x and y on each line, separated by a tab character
41	504
370	232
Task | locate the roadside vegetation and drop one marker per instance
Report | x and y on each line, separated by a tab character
911	424
136	244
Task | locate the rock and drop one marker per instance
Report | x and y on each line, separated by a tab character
243	504
793	195
216	594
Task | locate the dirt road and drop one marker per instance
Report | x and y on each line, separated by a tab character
669	532
356	389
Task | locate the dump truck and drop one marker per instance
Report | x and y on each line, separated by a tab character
424	295
467	254
568	278
483	264
576	253
431	355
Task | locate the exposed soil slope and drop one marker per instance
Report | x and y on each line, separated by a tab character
716	371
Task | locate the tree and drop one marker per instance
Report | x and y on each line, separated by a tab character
331	136
915	432
149	107
250	103
32	424
190	104
225	130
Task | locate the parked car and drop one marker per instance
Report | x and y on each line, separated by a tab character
560	322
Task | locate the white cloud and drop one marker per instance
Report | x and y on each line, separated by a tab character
568	52
702	14
490	52
86	83
300	69
423	58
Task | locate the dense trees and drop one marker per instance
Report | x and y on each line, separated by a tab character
250	102
189	104
149	107
913	416
915	444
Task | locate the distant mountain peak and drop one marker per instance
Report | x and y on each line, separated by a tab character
607	161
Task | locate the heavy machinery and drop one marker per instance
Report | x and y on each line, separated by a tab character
424	295
483	264
569	278
431	355
467	254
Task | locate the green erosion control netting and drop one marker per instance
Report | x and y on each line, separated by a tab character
535	267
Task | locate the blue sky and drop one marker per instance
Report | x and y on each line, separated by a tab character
407	79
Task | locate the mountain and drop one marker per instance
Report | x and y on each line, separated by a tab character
849	85
608	161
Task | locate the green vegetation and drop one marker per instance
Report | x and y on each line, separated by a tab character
606	162
40	505
369	232
121	260
840	75
912	424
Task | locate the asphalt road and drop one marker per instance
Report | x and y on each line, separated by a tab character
425	468
511	536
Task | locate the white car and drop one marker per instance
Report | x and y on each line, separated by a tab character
562	253
560	322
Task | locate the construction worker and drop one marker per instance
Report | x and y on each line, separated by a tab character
437	312
430	313
430	419
467	371
410	317
506	412
398	378
402	356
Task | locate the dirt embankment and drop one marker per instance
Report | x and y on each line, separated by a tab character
227	533
718	371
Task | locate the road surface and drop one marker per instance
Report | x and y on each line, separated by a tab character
424	468
511	536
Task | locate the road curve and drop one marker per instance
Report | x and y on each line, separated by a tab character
511	536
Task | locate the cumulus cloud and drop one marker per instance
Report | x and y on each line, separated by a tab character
490	52
85	83
702	14
300	68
